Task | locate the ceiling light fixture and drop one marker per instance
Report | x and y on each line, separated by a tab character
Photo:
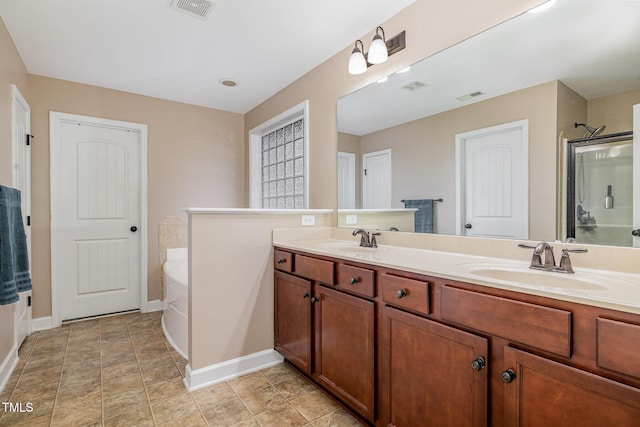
379	51
228	82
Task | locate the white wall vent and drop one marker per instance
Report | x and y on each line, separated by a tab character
198	8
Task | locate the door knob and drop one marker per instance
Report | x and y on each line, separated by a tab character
467	226
134	229
636	232
508	376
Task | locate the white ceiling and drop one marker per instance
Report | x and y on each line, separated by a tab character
145	47
593	46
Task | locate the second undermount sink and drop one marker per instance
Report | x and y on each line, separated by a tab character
539	278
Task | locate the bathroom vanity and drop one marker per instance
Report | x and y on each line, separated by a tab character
400	345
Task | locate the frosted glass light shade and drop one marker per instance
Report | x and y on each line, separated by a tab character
357	63
378	50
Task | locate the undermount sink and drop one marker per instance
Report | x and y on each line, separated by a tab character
541	278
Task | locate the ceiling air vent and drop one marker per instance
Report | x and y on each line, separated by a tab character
197	8
469	96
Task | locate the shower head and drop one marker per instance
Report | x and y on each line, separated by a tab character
591	132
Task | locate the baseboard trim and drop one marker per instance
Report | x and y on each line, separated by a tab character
42	323
229	369
7	367
155	305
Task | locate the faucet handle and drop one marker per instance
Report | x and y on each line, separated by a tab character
374	244
565	262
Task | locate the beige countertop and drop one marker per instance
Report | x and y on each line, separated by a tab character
600	288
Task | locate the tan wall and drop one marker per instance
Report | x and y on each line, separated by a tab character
231	284
195	158
430	25
423	154
615	111
12	71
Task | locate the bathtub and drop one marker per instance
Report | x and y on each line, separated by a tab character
175	319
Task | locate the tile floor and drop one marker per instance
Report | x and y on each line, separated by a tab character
120	371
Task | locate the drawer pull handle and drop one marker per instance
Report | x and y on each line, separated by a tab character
478	363
508	376
305	295
354	280
282	261
401	293
314	300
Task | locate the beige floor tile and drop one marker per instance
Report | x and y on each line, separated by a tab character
118	386
166	389
249	422
263	399
80	365
125	402
82	415
43	362
339	417
117	358
293	388
314	405
82	356
248	383
284	415
80	376
43	421
138	418
160	360
40	408
70	395
213	394
174	407
41	375
278	373
226	413
119	370
38	391
194	419
160	374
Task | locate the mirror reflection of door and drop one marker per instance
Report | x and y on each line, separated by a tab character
376	180
636	176
493	191
346	180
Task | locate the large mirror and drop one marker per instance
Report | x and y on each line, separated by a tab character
476	139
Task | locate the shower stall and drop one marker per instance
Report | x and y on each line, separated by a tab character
600	188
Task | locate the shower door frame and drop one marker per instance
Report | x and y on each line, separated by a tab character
571	171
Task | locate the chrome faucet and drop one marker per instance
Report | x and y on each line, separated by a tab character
549	264
366	240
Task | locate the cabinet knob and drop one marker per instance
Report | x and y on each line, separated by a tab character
508	376
282	261
305	295
478	363
401	293
354	280
314	300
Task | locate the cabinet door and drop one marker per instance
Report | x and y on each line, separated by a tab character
428	374
292	334
345	348
546	393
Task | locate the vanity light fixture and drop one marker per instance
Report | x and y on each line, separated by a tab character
379	51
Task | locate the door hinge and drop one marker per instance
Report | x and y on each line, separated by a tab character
28	220
29	301
29	137
365	172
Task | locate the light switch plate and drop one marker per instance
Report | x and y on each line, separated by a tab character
308	220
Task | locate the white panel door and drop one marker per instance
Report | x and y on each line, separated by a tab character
21	129
97	214
376	180
346	180
636	176
495	184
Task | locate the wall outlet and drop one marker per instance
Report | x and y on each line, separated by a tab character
308	220
351	219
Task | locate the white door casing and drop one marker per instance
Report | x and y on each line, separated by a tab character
636	173
21	130
376	180
98	192
346	180
492	185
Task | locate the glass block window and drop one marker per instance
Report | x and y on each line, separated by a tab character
283	167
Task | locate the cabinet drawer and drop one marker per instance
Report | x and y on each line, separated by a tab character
546	328
405	293
356	280
619	346
282	260
315	269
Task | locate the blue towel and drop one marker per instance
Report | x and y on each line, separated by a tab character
14	257
423	218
